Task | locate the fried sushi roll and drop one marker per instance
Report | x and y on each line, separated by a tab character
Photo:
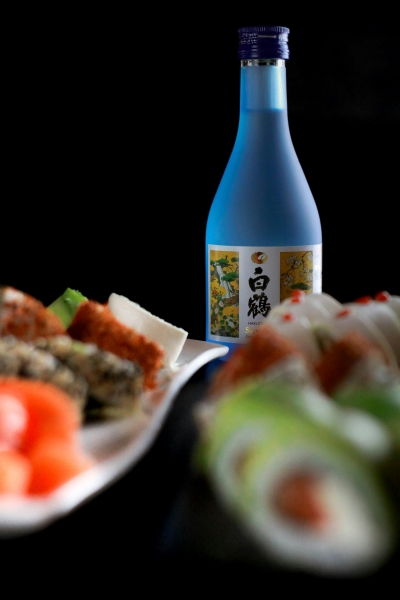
115	385
25	317
95	323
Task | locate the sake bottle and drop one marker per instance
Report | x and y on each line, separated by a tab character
263	234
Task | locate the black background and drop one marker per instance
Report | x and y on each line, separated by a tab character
119	127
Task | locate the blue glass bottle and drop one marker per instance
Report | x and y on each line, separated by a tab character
263	235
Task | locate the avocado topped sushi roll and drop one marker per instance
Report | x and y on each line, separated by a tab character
308	496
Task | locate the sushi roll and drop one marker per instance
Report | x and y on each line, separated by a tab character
21	359
115	385
351	319
300	330
25	317
391	300
353	360
383	403
267	354
95	323
316	307
308	497
384	317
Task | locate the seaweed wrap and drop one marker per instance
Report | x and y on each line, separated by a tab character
309	498
115	385
22	359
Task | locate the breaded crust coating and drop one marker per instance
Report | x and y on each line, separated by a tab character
25	317
95	323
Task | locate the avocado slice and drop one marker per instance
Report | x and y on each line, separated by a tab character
66	305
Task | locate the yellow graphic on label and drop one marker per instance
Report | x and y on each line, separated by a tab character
296	273
224	293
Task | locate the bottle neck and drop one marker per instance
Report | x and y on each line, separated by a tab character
263	85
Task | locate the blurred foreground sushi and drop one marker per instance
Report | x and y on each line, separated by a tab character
103	384
309	497
25	317
268	354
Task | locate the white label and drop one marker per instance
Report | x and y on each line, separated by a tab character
247	281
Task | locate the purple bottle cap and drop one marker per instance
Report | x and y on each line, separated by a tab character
263	41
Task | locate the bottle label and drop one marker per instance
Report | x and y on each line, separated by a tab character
246	282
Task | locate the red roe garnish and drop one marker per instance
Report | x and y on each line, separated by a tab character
288	317
344	313
364	300
382	296
298	294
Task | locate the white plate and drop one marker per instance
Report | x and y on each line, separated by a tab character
116	446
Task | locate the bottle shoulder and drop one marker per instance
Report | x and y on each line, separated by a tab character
263	193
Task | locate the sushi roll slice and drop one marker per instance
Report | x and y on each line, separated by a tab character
351	319
391	300
307	496
94	323
21	359
268	354
326	300
115	385
315	307
383	403
353	360
25	317
300	330
382	315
